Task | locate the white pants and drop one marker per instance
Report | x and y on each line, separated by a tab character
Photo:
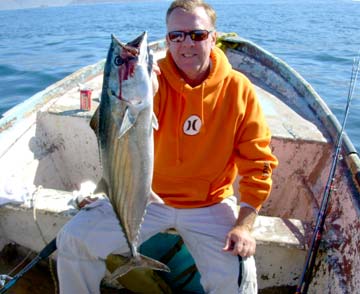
94	233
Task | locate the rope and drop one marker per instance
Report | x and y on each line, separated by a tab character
51	263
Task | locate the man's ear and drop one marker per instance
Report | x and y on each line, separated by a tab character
214	37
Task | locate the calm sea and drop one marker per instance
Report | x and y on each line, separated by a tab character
318	38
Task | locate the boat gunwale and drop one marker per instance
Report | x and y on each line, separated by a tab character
267	59
36	101
43	97
313	99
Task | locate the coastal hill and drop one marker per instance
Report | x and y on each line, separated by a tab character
24	4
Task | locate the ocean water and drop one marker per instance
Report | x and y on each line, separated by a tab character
318	38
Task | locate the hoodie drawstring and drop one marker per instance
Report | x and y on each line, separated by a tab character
202	107
179	126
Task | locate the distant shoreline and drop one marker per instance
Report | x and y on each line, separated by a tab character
12	5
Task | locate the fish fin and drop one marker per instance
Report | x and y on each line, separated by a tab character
127	123
155	198
155	122
102	187
139	261
94	122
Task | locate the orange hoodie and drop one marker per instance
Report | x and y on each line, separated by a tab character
208	134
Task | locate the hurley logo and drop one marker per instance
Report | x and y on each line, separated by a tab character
192	125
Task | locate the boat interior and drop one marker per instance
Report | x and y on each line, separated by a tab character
52	151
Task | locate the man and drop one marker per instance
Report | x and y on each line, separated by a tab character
211	127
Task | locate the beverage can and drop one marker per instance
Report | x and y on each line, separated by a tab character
85	99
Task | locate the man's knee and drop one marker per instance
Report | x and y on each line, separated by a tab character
70	242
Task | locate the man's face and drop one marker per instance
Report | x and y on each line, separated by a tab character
191	57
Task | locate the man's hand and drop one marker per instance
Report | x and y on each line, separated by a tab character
82	202
239	240
155	72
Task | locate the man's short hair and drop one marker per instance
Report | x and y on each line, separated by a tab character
189	6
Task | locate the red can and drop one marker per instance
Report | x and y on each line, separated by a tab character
85	99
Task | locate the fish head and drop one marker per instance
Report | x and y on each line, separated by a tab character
130	87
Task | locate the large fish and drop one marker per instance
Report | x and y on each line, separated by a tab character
124	125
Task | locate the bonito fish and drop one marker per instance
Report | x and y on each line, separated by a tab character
124	125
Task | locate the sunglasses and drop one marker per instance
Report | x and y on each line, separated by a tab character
195	35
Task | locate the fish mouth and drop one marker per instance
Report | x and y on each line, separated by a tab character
133	47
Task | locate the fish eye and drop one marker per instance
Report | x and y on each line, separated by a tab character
118	61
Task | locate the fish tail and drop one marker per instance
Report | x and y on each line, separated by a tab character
140	261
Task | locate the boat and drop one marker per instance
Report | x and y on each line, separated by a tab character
47	150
